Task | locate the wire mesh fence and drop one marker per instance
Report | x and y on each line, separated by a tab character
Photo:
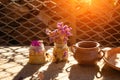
22	21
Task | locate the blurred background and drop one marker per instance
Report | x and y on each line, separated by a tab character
22	21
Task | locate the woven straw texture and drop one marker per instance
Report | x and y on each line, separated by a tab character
22	21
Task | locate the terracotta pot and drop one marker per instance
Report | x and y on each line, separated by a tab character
87	52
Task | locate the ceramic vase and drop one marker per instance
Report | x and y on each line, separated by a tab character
60	52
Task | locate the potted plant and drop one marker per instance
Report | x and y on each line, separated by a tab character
60	37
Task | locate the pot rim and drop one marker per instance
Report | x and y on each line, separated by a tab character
80	42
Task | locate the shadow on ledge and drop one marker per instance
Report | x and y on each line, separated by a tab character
53	70
83	72
109	73
28	70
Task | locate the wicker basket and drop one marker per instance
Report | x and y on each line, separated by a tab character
37	53
112	58
37	59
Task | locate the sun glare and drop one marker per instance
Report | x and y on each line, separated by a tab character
115	2
88	1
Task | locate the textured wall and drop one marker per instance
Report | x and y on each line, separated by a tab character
24	20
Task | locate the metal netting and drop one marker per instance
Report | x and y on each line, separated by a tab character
22	21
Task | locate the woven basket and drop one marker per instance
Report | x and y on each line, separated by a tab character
37	59
37	54
112	58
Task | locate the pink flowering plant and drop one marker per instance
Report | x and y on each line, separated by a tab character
35	43
37	46
37	53
61	34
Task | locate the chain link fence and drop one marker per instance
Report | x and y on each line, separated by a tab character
22	21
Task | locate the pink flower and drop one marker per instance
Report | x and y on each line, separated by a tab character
60	34
65	54
35	43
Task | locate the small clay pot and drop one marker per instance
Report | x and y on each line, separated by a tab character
87	52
